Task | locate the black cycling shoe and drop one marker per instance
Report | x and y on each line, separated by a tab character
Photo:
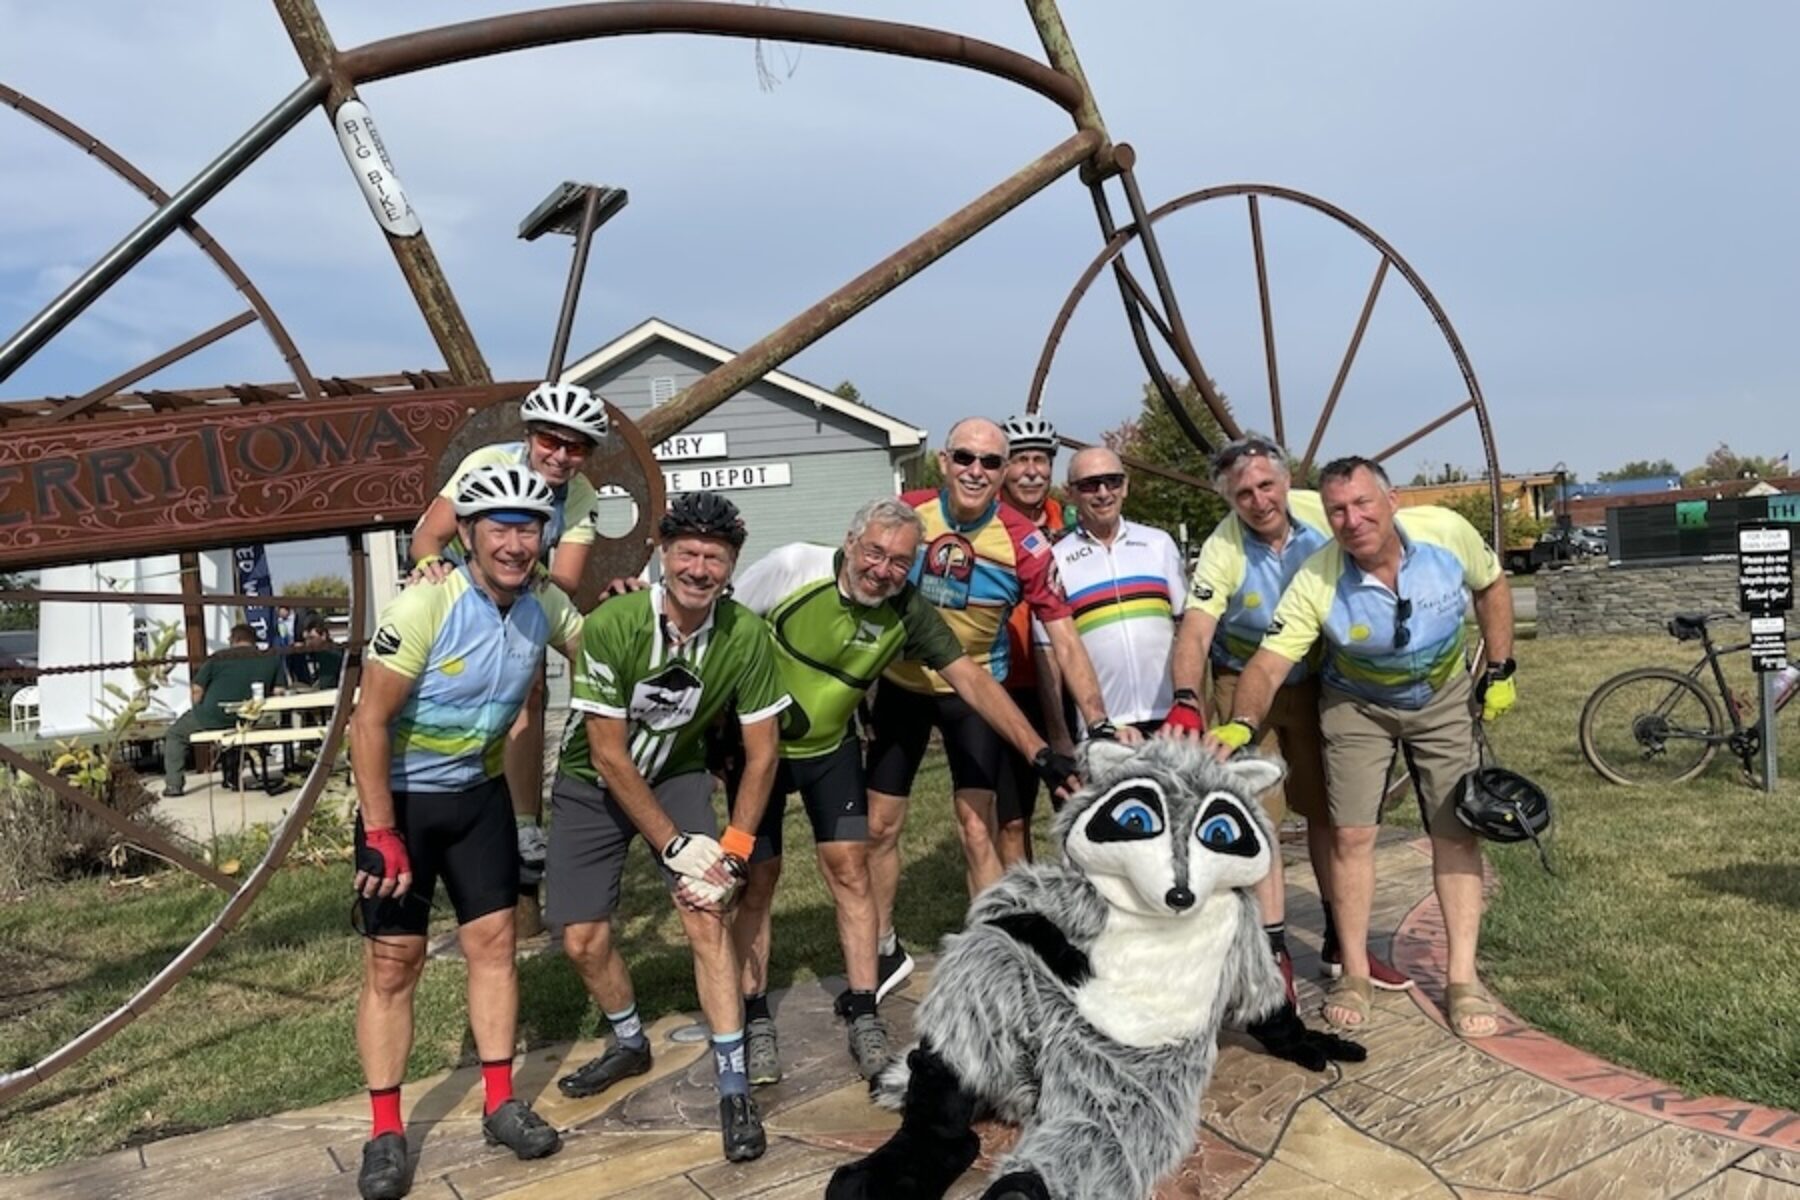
383	1174
520	1130
619	1062
741	1127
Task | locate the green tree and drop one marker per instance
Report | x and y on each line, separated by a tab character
319	585
1725	465
17	616
848	391
1477	509
1639	468
1154	437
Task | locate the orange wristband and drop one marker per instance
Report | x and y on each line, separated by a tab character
738	843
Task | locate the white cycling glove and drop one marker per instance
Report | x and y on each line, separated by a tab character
691	854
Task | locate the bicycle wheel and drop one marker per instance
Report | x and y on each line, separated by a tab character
1651	725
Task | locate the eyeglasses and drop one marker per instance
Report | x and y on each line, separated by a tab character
1402	614
549	443
874	556
1236	452
989	462
1093	483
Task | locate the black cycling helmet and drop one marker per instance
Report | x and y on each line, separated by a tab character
1503	806
705	514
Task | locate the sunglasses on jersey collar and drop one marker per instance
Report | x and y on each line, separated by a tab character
989	462
1402	614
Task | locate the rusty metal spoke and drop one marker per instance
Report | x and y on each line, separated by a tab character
174	354
1268	321
1425	430
1337	385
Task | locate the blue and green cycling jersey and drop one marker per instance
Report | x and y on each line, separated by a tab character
1240	578
1396	648
472	665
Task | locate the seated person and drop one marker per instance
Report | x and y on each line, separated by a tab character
316	661
228	677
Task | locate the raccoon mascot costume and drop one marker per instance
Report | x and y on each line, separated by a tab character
1083	1001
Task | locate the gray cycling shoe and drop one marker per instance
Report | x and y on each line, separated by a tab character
869	1045
762	1055
619	1062
520	1130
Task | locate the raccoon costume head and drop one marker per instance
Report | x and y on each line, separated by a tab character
1160	827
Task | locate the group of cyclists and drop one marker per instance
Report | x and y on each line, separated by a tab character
983	609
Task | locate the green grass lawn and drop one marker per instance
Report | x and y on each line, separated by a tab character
1670	943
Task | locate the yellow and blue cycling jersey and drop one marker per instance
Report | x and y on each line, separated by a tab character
1396	648
975	572
472	666
1240	578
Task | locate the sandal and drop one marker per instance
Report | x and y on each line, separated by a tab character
1353	994
1469	1002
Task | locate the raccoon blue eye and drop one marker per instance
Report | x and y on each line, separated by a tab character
1138	819
1220	831
1132	811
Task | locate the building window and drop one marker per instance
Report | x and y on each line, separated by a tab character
662	388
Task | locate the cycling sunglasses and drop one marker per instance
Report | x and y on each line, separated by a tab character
1093	483
1238	451
989	462
1402	614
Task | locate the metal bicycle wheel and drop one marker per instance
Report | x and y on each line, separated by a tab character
1651	725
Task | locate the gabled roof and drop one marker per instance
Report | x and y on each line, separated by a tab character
899	433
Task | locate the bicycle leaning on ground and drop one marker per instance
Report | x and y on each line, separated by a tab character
1660	725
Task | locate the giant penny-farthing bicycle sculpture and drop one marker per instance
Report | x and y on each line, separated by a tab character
115	474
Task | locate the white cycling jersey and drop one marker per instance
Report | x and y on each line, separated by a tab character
1126	598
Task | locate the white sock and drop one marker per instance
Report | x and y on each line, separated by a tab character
890	942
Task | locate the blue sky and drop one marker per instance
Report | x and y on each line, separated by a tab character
1600	195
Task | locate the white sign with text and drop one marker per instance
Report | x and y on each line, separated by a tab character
692	445
373	169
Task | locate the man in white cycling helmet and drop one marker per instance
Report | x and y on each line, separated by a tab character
448	668
564	422
1032	674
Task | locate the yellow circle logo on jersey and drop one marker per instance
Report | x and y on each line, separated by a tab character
1252	599
1359	633
453	666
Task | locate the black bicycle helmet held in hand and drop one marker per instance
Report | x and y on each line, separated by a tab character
1503	806
703	514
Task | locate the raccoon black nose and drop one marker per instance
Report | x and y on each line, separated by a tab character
1179	898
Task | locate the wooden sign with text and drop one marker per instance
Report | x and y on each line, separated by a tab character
213	476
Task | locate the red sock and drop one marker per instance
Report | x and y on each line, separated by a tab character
496	1077
385	1104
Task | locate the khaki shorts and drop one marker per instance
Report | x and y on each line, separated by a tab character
1292	729
1436	742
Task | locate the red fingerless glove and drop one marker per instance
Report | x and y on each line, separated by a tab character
1185	717
383	854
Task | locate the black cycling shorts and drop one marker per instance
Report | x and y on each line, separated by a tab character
469	839
832	789
903	724
1015	799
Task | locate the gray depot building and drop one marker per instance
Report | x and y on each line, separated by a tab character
798	460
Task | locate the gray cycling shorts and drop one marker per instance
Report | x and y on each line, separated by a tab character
590	836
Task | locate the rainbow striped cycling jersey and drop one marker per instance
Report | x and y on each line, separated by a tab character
472	665
1240	578
974	572
1126	598
1396	648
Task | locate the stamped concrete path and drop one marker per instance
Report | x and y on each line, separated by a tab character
1426	1116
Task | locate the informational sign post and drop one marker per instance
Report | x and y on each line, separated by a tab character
1766	594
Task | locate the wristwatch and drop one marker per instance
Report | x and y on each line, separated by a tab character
1501	670
1188	697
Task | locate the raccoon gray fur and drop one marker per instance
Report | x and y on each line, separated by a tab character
1083	1000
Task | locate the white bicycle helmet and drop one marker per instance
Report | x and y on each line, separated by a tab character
566	406
496	490
1030	432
